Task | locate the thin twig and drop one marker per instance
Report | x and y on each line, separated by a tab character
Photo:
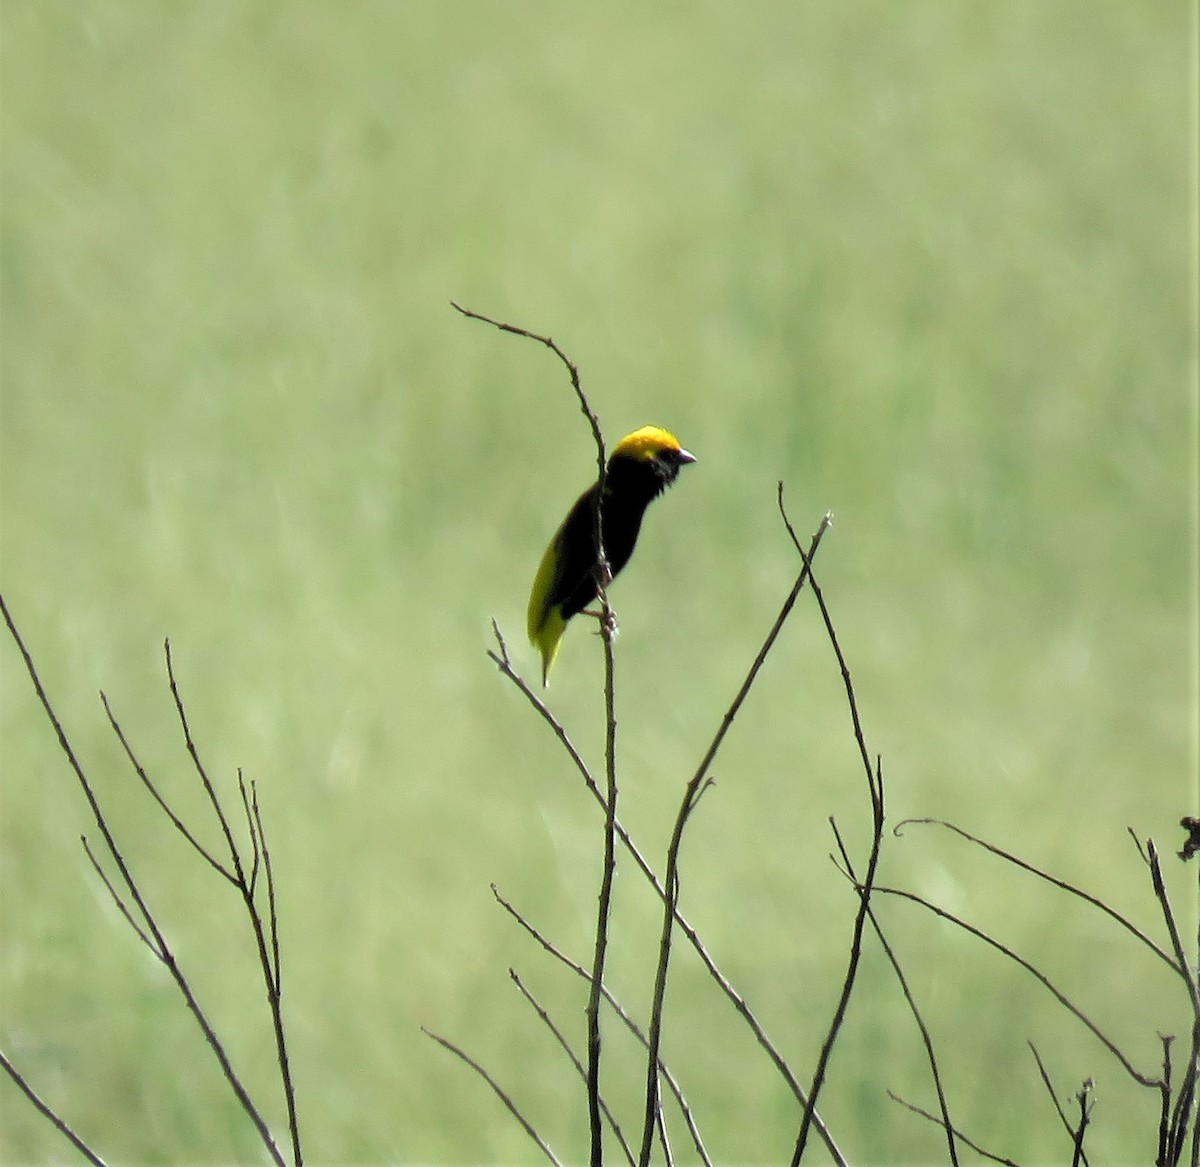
1181	1115
267	948
272	964
497	1089
1085	1114
1160	893
1164	1108
198	765
926	1037
619	1009
176	821
160	945
572	370
954	1131
1053	880
848	981
607	630
122	907
1058	994
260	829
739	1003
1185	1097
252	830
544	1015
831	634
671	878
1062	1114
48	1111
875	792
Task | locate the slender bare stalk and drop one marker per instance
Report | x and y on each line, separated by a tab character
608	873
498	1090
1139	1077
150	933
633	1027
956	1133
1062	1114
926	1037
549	1022
48	1112
851	976
874	779
267	946
1085	1114
1185	1098
741	1006
691	795
608	629
1053	880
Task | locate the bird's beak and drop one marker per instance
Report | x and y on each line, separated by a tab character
683	457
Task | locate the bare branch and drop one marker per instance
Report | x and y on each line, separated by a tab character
580	1069
273	919
122	907
955	1133
671	879
498	1090
505	665
926	1037
739	1003
831	633
267	947
160	945
1062	1114
1053	880
194	754
572	370
620	1011
608	629
49	1112
1085	1114
140	770
252	830
1183	968
864	889
875	792
1058	994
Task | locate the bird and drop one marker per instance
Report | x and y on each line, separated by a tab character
643	464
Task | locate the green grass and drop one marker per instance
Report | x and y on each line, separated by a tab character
934	267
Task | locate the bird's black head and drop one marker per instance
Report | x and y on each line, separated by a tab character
651	457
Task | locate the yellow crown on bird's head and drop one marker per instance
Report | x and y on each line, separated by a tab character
647	443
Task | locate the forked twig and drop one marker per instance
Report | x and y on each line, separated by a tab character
608	628
671	879
1062	1114
548	1021
1034	971
874	779
1053	880
616	1006
1085	1114
926	1037
741	1006
151	933
146	780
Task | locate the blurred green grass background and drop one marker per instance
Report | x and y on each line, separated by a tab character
931	265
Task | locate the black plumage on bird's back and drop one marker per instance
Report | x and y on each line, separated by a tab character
642	466
630	487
